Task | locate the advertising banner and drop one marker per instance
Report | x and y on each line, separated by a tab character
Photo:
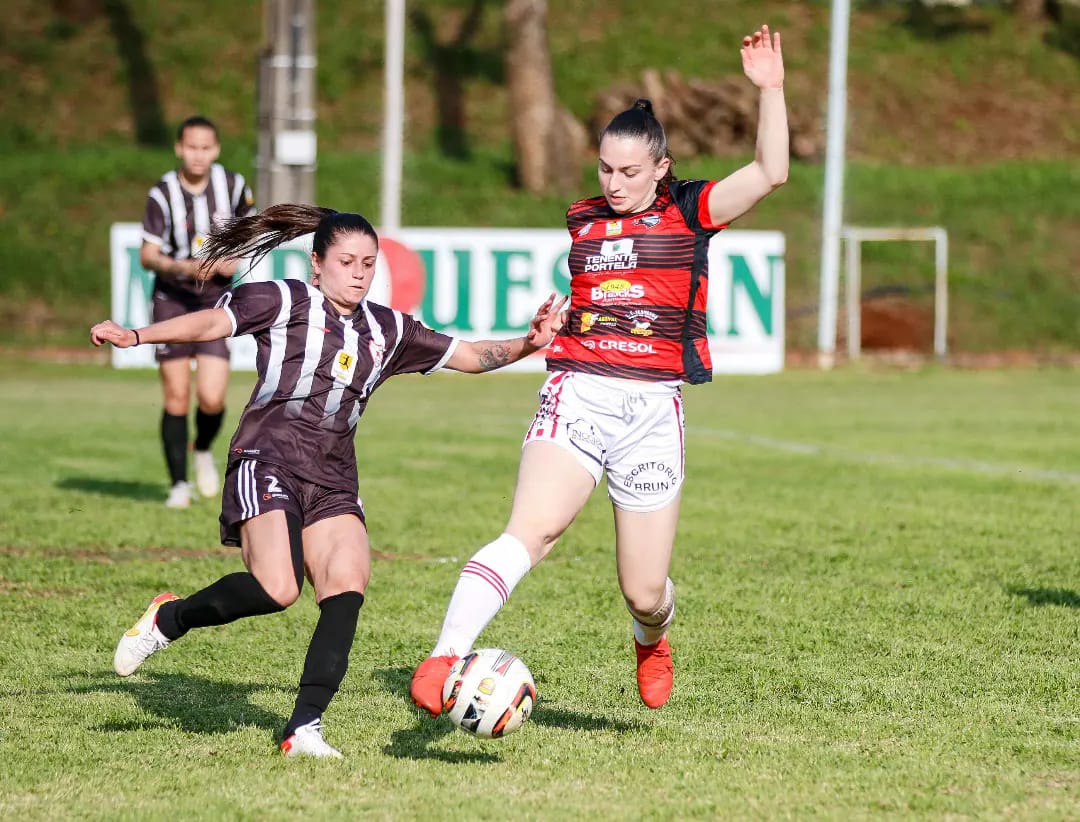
485	283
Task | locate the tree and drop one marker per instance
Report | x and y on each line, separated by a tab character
548	140
1032	10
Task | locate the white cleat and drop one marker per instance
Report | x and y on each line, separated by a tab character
307	740
143	639
179	496
206	474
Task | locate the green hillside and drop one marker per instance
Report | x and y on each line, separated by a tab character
960	118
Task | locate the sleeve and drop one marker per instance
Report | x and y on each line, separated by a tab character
242	197
692	199
421	349
155	223
254	307
575	216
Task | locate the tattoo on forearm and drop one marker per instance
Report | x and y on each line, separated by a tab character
494	356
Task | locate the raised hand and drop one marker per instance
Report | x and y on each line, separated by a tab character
547	321
762	60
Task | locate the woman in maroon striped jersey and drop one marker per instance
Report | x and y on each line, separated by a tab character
290	492
613	404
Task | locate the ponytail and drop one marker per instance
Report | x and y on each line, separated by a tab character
255	236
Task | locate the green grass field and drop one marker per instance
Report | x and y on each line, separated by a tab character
879	613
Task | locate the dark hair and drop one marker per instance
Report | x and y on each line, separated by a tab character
256	235
195	121
639	122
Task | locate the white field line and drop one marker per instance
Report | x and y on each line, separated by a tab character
810	449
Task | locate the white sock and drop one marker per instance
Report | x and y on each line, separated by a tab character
482	589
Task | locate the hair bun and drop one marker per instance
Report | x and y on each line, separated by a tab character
644	105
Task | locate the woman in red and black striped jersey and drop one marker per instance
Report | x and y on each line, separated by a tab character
636	332
290	493
181	208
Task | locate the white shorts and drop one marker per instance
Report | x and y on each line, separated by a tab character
632	430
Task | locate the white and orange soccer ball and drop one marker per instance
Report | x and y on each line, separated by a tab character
489	693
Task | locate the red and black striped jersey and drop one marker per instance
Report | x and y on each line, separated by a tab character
638	288
178	221
317	370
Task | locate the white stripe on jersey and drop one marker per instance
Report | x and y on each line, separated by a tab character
220	184
445	358
333	399
237	193
378	341
279	335
313	346
201	209
223	304
179	216
165	240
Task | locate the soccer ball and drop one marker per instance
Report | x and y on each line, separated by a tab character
489	693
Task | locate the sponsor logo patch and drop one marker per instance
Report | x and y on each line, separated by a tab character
642	321
589	319
616	291
653	477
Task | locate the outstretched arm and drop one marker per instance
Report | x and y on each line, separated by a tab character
737	193
487	355
198	326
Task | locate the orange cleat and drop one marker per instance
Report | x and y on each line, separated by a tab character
655	672
427	682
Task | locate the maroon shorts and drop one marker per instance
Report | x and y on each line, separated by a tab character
168	304
252	488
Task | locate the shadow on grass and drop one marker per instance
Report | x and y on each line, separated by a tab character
415	743
114	487
191	703
1047	596
569	720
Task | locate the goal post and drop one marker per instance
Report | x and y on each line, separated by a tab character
853	237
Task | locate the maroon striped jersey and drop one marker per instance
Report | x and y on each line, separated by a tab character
638	288
316	371
178	221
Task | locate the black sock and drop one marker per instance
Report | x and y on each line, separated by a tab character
174	437
327	658
206	428
230	598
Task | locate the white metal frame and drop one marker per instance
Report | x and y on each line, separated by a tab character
854	237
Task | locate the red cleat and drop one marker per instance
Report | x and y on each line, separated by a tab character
655	672
427	682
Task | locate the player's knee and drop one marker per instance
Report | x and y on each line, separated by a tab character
176	404
211	405
282	589
650	604
538	541
355	580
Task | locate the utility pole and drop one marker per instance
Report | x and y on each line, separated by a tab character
393	117
833	217
285	166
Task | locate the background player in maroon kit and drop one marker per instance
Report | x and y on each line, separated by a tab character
290	496
613	404
181	208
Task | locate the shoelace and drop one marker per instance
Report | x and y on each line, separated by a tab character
147	643
313	733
